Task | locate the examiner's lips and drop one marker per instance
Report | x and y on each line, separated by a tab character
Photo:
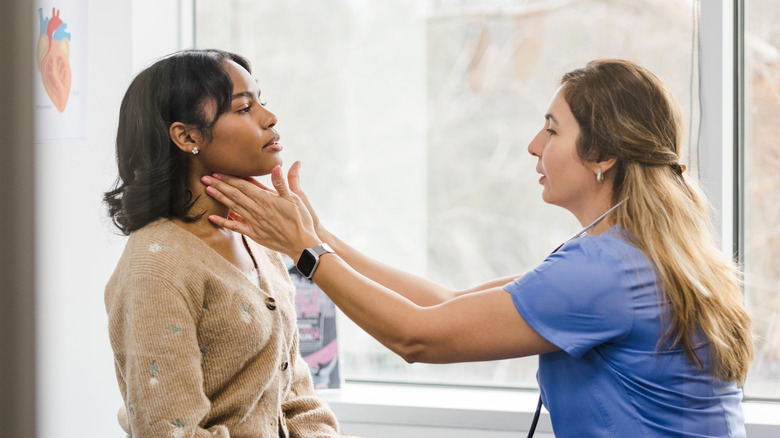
541	178
273	144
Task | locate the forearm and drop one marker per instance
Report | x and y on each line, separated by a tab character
419	290
474	327
498	282
390	317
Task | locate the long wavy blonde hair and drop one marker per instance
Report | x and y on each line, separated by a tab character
626	112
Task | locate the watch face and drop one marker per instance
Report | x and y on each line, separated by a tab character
306	263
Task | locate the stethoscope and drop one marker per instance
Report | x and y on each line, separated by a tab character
583	232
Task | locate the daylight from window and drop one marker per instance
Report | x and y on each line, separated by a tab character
412	119
762	191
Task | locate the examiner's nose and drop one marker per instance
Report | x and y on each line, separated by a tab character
536	145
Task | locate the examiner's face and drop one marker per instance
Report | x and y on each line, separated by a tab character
243	142
564	177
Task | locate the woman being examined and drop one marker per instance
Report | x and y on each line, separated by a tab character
638	322
201	320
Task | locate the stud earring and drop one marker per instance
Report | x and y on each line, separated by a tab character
195	150
599	176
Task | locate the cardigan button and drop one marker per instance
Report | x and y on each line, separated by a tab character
270	302
285	365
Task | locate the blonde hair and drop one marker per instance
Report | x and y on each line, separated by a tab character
626	112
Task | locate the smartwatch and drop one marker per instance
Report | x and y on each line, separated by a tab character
310	258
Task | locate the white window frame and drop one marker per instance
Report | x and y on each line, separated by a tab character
716	153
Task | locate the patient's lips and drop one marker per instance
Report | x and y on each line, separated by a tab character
273	144
54	58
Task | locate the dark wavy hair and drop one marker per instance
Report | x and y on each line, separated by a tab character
152	181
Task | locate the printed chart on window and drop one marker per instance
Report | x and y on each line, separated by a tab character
317	335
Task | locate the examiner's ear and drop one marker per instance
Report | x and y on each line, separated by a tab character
601	168
606	164
186	138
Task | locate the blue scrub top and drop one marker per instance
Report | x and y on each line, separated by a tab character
597	299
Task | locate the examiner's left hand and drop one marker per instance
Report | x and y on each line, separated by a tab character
277	220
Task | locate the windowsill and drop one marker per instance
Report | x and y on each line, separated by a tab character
482	409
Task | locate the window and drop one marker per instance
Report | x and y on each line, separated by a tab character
412	120
761	190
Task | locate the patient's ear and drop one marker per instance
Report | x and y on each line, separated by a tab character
185	137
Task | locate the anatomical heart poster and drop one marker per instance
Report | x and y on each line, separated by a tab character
60	57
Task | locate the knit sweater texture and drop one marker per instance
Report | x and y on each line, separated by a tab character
200	351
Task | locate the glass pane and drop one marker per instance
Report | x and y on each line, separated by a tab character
762	191
412	119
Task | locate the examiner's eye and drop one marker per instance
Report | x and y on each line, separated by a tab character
245	109
550	131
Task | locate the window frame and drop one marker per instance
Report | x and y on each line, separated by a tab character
717	143
720	130
391	409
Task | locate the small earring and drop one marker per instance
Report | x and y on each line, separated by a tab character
599	176
195	150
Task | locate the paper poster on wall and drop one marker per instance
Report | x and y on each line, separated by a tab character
317	337
60	56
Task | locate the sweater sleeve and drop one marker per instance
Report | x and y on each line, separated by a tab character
159	359
306	414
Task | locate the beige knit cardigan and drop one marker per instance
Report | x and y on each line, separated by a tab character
200	351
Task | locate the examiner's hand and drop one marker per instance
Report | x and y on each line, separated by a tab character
294	179
277	220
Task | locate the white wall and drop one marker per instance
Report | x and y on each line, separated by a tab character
77	247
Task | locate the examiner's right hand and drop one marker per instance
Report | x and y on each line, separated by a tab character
277	220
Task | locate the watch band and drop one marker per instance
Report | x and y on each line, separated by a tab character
310	259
